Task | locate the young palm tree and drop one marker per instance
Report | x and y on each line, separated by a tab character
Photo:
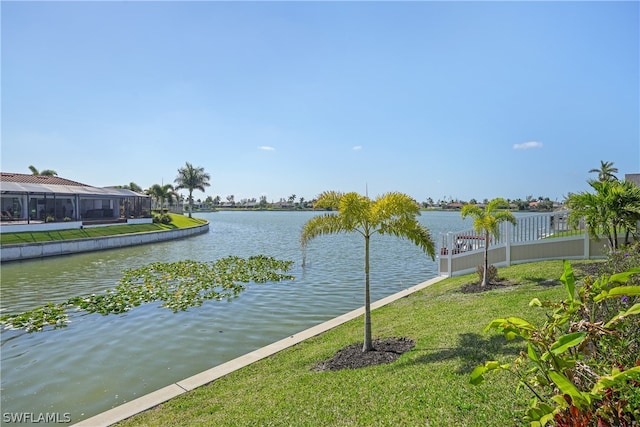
46	172
393	213
192	178
488	221
162	193
606	171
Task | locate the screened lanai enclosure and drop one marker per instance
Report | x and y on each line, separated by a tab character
40	199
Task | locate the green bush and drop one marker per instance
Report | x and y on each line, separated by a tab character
162	219
583	364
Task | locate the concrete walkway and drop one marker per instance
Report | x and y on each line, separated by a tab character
157	397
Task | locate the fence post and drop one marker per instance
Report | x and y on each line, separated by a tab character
449	254
507	236
586	243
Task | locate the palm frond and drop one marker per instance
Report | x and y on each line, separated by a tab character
328	223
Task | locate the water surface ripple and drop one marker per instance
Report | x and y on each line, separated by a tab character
99	362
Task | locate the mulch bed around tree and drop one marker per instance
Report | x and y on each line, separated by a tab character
471	288
385	350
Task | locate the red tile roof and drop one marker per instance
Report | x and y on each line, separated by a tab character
37	179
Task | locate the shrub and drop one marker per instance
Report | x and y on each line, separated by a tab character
492	273
162	219
583	364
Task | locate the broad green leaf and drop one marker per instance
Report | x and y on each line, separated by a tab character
618	291
559	399
547	419
492	365
495	323
568	279
531	351
624	276
625	290
616	378
567	341
567	387
477	375
535	303
635	309
521	323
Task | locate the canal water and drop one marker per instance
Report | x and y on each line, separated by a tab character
99	362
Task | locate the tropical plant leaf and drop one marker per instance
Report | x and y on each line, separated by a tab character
567	387
568	279
618	291
616	378
521	323
565	342
477	375
535	303
531	352
635	309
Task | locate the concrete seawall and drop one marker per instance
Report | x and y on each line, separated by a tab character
24	251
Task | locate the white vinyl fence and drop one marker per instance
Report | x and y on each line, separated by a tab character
534	238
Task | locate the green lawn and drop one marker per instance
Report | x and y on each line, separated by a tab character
428	386
177	221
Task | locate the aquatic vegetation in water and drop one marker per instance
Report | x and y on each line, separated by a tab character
179	285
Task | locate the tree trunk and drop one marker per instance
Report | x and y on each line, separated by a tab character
190	203
368	345
486	259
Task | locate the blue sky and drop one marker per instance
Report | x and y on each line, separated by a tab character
444	100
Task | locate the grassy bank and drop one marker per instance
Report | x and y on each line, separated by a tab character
177	221
427	386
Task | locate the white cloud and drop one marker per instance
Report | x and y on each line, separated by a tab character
527	145
266	148
357	147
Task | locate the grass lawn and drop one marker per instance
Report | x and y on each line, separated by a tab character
427	386
177	221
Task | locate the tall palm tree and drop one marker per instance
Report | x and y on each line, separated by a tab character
192	178
488	221
606	171
45	172
393	213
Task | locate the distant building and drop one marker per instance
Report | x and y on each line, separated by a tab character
633	177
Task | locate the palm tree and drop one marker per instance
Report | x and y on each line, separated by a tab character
133	187
612	208
488	221
393	213
606	171
162	193
46	172
192	178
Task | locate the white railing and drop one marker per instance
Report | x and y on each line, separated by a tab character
533	238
